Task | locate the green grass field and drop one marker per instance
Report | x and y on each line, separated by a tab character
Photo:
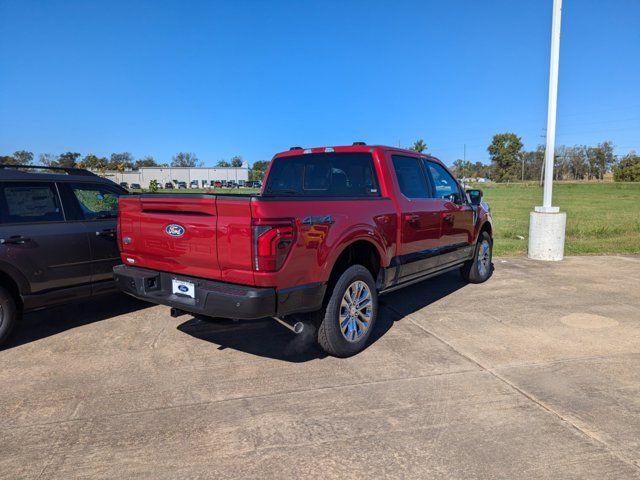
602	218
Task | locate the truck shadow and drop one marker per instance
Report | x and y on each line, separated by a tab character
54	320
267	338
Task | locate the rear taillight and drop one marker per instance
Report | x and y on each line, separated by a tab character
272	241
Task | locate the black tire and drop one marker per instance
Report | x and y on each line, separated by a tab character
8	314
480	267
330	335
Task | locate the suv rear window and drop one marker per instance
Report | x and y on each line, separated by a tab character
24	202
324	175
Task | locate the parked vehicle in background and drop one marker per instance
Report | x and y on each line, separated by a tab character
193	184
135	186
254	184
241	183
182	185
217	184
124	184
57	238
168	185
333	228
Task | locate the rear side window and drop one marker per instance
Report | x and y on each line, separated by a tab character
96	201
24	202
411	179
324	175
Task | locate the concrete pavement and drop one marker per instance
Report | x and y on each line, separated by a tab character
534	374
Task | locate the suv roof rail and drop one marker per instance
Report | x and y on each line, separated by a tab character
295	148
359	143
67	170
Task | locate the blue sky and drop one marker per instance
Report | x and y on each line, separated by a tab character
253	78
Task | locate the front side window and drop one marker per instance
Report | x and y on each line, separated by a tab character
96	201
411	179
30	202
444	184
328	174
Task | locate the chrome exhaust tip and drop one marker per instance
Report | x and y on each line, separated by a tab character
296	328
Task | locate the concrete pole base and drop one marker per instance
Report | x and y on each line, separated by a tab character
546	235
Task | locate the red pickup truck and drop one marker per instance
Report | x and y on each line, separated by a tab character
331	229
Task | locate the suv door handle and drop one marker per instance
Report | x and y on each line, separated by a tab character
14	240
412	217
108	232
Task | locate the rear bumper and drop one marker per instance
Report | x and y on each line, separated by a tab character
218	299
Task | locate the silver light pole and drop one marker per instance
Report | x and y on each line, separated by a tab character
551	110
546	223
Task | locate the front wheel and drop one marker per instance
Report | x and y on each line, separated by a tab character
8	314
480	267
350	314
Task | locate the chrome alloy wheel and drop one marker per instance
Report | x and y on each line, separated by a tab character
484	258
356	311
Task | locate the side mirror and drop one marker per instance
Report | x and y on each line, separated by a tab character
475	196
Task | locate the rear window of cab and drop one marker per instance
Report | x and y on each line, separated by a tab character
329	174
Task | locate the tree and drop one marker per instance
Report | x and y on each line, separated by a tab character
505	152
154	186
185	159
258	170
236	161
223	164
601	159
628	170
93	162
68	160
23	157
47	159
147	161
419	146
120	161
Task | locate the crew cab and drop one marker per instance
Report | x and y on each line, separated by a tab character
332	228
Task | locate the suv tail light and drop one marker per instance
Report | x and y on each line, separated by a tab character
272	241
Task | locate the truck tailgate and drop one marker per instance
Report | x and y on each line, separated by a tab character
176	233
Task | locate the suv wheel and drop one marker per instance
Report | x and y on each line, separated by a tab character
350	314
480	267
8	314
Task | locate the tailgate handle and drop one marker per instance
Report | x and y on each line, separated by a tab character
108	232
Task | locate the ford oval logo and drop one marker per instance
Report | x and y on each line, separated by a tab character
174	230
183	288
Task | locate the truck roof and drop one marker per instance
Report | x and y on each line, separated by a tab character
347	149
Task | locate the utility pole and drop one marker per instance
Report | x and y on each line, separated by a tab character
547	224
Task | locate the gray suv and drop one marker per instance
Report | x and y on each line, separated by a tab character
57	238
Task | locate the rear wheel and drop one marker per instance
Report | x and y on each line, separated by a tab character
8	314
350	314
480	267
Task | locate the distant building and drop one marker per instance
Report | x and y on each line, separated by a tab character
205	176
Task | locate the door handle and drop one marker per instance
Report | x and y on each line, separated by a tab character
14	240
447	217
109	232
412	217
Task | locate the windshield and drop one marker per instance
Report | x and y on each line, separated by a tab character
323	174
